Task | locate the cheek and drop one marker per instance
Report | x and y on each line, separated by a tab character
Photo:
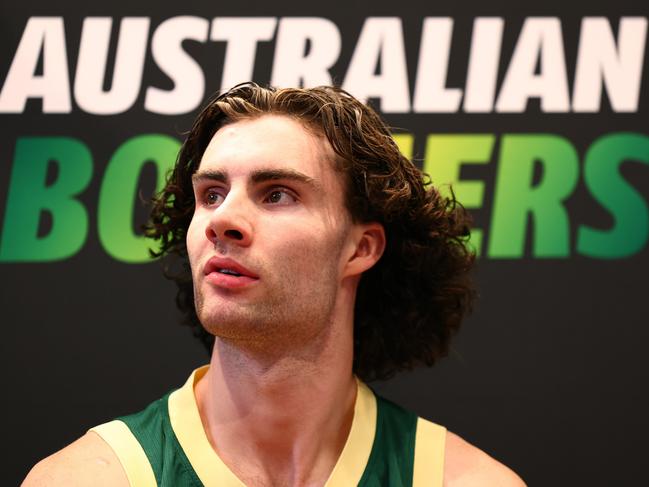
195	237
312	248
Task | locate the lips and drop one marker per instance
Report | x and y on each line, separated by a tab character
227	273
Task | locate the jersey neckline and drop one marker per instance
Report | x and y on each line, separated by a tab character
186	422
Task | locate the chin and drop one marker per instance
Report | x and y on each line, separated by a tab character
230	324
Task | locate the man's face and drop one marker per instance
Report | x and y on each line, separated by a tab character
270	233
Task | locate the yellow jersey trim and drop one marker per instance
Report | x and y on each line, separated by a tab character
430	446
129	452
186	423
352	461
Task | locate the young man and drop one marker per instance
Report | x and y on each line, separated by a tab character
319	257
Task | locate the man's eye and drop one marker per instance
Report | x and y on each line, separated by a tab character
213	198
280	197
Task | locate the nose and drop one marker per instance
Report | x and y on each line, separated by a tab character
229	223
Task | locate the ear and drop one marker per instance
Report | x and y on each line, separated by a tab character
368	240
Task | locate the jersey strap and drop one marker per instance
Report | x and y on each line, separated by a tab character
430	446
129	452
152	428
407	451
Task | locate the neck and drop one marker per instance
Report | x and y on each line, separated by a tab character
277	415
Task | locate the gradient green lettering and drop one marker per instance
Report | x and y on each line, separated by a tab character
445	155
602	175
29	196
118	193
516	197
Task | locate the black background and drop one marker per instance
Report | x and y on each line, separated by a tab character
549	374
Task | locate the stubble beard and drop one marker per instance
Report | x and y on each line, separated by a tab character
290	316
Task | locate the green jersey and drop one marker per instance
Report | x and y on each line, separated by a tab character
166	445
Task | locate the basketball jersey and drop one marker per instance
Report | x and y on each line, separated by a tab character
166	445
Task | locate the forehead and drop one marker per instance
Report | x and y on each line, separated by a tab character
270	142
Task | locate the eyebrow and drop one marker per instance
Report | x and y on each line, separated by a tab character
258	176
209	175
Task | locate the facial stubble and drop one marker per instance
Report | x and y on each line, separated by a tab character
296	304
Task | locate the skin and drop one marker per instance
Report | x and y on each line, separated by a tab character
268	198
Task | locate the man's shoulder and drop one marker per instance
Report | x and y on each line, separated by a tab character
467	465
87	461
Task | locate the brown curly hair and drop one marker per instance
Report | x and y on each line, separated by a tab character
413	300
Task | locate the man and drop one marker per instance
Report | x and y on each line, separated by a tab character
318	255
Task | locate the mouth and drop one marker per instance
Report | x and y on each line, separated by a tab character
227	273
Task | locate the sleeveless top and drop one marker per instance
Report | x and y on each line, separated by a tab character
165	445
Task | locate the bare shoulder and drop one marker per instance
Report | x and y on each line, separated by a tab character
466	465
89	461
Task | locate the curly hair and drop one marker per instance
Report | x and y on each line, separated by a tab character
411	303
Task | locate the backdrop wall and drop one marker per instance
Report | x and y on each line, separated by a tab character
536	114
